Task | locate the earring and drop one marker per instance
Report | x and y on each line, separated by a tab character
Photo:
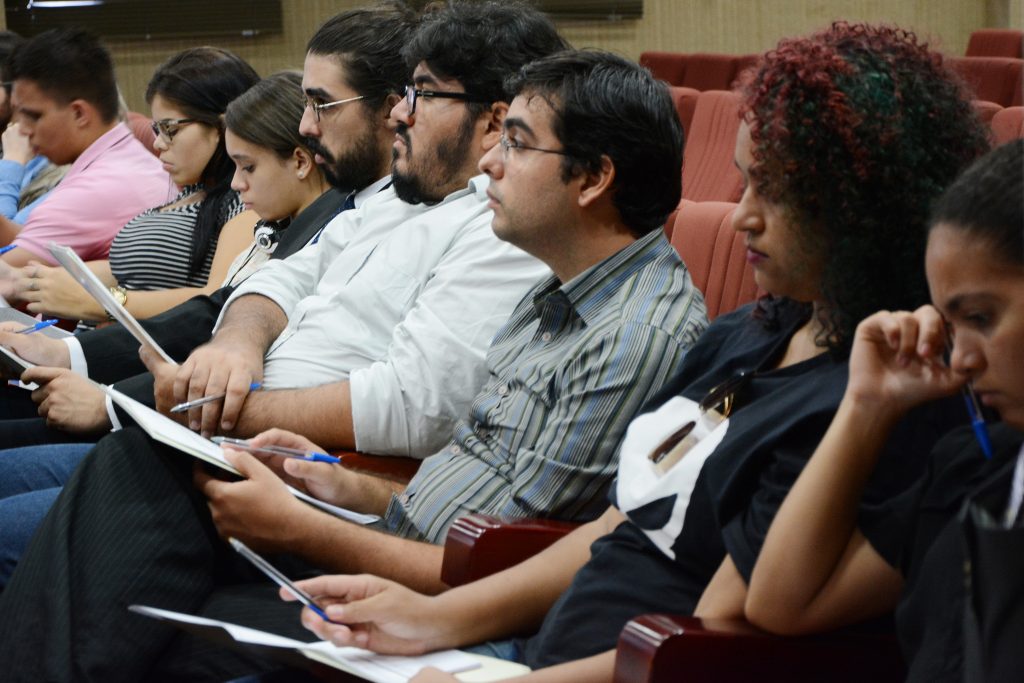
302	175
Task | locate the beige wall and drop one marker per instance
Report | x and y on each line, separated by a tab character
731	26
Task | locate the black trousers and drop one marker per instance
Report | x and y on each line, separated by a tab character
129	527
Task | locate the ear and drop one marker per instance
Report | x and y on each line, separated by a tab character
303	162
597	184
82	113
389	103
493	121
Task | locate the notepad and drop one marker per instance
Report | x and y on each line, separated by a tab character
363	663
85	277
167	431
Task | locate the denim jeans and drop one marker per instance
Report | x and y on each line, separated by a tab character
30	480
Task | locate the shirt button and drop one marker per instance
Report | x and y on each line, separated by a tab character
404	499
546	336
456	450
503	390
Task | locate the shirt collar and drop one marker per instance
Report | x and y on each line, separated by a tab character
112	137
591	289
370	190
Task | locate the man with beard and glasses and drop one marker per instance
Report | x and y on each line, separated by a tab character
422	288
356	53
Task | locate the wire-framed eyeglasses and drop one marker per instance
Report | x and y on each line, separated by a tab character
320	107
508	144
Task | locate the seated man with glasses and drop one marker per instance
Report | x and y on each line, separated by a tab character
65	100
583	350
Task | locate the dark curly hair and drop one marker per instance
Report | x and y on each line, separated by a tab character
856	130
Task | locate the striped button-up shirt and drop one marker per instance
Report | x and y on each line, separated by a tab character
568	371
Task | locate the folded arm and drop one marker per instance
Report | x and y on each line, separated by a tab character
816	570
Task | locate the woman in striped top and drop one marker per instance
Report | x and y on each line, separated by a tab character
170	253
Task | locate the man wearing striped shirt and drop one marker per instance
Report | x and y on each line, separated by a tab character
585	173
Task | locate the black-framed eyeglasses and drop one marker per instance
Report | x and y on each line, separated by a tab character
720	400
412	93
318	108
509	144
166	129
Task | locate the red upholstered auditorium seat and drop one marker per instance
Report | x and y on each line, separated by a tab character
699	70
142	128
995	79
996	42
715	255
986	110
1007	125
685	100
709	173
668	66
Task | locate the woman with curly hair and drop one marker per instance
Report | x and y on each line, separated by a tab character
847	137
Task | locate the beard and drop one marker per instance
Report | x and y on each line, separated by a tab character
356	168
432	180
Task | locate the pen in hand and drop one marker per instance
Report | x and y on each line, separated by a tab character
244	445
9	247
973	409
182	407
42	324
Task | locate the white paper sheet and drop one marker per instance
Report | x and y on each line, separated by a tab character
166	430
373	667
85	277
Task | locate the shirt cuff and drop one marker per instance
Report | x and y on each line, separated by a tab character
78	363
115	424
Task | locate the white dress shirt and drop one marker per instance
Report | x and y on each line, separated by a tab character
402	301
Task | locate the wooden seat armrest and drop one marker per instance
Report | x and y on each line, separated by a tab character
661	647
481	545
393	467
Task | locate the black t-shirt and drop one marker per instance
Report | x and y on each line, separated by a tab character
929	617
779	419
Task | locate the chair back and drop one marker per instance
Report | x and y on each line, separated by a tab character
715	255
709	173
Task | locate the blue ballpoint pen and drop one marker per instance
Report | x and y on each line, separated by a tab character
973	407
4	250
276	450
42	324
182	407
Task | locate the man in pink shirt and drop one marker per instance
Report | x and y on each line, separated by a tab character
65	98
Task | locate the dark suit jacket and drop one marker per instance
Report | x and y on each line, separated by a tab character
113	354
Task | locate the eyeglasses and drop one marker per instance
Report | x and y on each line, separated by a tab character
317	108
716	405
166	129
507	144
412	92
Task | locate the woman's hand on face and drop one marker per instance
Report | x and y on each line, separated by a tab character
898	360
54	292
